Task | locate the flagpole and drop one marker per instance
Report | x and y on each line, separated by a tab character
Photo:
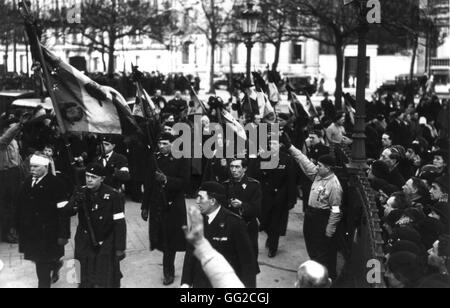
58	115
46	75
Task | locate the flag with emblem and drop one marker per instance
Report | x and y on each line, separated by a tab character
85	105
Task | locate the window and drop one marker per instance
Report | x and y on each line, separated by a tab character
297	52
262	54
235	53
186	54
23	64
95	63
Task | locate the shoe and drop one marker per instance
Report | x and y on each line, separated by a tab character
272	254
168	280
55	273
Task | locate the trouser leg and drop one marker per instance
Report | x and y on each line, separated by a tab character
273	242
43	270
169	263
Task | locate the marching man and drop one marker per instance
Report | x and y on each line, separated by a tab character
100	241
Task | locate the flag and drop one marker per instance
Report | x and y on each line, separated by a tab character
198	106
234	124
85	105
144	106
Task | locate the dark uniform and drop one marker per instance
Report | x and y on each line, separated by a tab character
117	170
167	210
279	196
248	191
227	233
41	222
100	267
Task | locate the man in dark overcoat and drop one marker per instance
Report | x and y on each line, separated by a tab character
165	204
43	226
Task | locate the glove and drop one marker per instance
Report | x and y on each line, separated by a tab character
160	178
144	215
286	140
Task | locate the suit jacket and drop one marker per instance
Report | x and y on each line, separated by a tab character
117	169
41	219
228	235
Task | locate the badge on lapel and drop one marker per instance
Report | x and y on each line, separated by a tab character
106	196
244	186
222	225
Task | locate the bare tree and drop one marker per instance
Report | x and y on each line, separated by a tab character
279	23
104	23
213	22
331	24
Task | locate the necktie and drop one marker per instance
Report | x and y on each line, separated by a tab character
33	183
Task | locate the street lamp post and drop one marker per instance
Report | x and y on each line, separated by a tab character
359	159
249	25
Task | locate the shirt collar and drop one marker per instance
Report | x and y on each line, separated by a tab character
213	215
38	179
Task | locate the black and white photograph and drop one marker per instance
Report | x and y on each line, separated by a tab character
193	145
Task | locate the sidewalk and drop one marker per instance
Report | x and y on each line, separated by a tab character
143	269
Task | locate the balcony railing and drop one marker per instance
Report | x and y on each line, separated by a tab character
440	62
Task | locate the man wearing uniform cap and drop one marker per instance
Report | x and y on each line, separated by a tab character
227	234
100	241
324	212
115	164
43	226
164	205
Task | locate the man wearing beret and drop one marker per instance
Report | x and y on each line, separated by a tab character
164	205
115	164
43	226
324	212
100	241
227	234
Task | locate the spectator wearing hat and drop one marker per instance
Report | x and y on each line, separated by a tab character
164	205
115	164
378	176
323	213
227	234
404	270
100	240
43	226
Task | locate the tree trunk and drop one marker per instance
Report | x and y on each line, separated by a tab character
231	80
14	44
413	59
276	60
103	59
5	57
111	50
211	73
339	74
